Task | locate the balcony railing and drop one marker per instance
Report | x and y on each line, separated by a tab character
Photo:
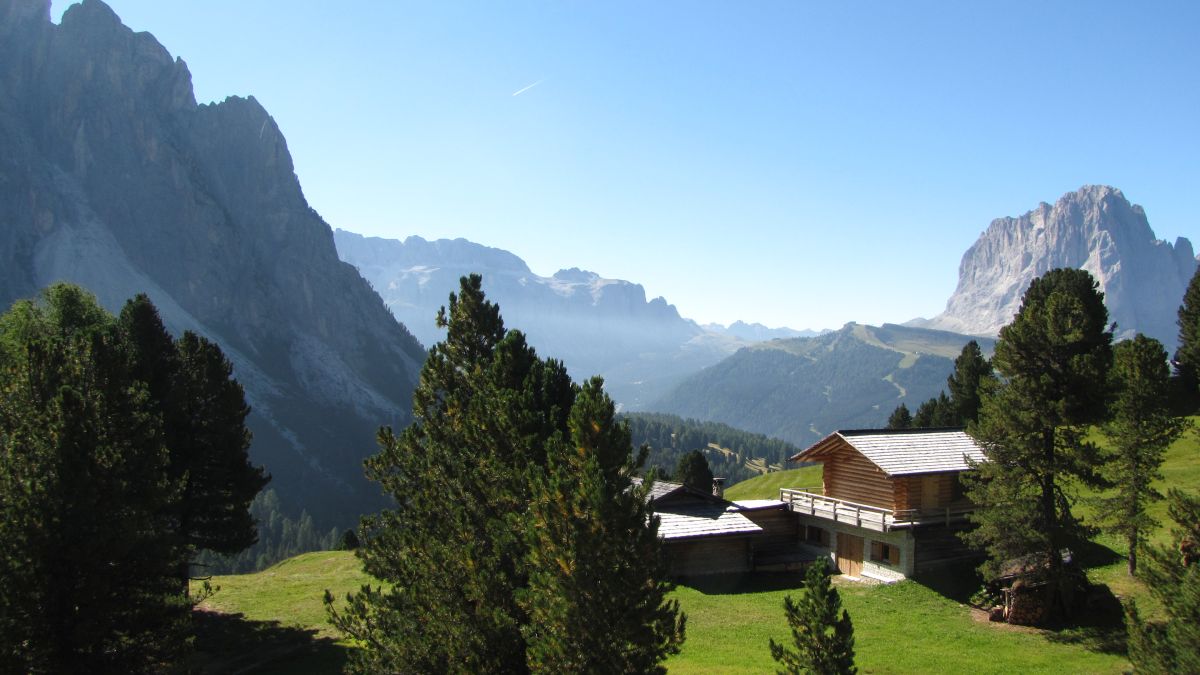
810	501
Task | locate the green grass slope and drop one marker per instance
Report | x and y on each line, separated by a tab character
274	620
767	485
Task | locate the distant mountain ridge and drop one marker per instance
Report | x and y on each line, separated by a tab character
114	178
1094	228
756	332
802	389
593	324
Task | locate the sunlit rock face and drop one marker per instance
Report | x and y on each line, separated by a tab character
1094	228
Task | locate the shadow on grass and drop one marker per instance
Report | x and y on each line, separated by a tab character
956	581
231	643
1092	554
1099	625
735	584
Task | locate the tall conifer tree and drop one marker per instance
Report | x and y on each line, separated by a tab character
1054	359
1172	573
596	597
484	409
1187	357
489	415
87	559
1140	429
693	471
203	413
971	372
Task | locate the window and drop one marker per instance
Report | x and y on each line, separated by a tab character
885	553
816	535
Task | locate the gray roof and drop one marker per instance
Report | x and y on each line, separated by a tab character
902	452
703	520
758	504
662	488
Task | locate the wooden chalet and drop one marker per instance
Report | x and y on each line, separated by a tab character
891	504
704	534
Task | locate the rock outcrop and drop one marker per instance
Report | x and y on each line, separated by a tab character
113	177
594	325
1094	228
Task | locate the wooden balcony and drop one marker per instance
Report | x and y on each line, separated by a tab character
811	502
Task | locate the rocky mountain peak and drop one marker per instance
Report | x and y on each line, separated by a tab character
112	177
1094	228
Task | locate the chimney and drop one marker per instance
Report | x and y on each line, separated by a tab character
719	487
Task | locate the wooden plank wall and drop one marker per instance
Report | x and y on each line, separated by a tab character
850	476
909	490
780	526
709	556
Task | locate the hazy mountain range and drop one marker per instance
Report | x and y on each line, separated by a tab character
594	325
113	177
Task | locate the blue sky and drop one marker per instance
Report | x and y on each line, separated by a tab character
791	163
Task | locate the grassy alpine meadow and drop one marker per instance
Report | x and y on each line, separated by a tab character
767	485
273	621
908	627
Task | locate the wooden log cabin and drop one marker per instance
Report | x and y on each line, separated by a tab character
704	534
891	504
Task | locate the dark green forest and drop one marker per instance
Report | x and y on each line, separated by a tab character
670	437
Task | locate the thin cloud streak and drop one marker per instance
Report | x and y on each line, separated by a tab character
522	90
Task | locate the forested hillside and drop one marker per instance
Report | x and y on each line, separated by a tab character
800	390
731	453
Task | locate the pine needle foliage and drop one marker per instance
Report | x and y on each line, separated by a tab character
1173	576
87	556
1140	429
822	633
105	492
694	472
488	416
597	593
1054	360
1187	357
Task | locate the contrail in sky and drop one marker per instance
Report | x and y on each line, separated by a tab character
522	90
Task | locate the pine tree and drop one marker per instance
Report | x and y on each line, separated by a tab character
694	472
1054	359
1173	577
936	412
203	414
596	598
87	559
900	418
484	410
1187	357
1140	430
824	641
971	372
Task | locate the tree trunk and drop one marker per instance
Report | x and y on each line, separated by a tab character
1056	606
1133	544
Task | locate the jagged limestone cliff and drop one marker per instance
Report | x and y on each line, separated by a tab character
113	177
596	326
1094	228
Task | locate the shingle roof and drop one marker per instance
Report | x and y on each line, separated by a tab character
663	488
758	504
703	520
901	452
